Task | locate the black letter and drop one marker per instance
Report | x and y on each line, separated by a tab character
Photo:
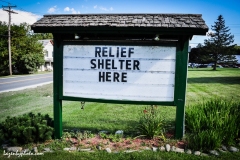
121	63
110	52
108	76
116	76
124	77
113	67
117	52
130	51
123	50
108	63
104	50
93	62
128	64
97	51
101	76
100	64
136	64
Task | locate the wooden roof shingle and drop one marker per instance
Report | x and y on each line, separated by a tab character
170	21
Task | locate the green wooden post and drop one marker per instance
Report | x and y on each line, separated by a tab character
57	102
180	90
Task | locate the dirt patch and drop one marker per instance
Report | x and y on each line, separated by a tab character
125	143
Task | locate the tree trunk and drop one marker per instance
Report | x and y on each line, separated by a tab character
215	66
215	62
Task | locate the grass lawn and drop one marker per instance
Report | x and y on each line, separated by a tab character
203	84
101	155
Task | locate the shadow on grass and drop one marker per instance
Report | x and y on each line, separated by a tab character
201	69
113	126
223	80
130	130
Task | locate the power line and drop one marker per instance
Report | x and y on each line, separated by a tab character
9	33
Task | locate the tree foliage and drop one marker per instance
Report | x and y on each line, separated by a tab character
219	45
198	55
237	50
26	51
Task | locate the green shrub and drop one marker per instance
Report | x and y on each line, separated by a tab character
212	123
27	128
151	123
204	140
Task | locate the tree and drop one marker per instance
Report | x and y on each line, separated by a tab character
199	55
41	36
27	52
220	44
237	50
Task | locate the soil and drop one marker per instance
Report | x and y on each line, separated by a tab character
140	143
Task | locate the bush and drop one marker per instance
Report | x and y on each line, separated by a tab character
27	128
210	124
151	123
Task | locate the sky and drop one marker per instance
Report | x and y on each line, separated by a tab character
31	10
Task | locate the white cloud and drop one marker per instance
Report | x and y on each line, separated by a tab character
21	17
72	10
103	8
66	9
52	9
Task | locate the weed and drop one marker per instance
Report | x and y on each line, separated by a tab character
151	123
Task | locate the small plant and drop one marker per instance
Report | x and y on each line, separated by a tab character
151	123
103	135
79	136
67	135
210	124
111	137
115	137
27	128
57	144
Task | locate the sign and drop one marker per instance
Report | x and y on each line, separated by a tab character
111	72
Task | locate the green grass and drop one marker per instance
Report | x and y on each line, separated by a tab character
146	155
101	155
206	83
202	84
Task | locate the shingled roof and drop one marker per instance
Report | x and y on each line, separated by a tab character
193	22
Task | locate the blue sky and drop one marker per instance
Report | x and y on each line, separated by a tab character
31	10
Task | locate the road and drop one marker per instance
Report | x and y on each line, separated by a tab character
23	82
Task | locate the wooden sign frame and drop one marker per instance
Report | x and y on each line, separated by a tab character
179	87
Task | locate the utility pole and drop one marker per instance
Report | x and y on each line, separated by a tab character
9	34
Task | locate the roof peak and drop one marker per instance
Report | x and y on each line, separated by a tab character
130	14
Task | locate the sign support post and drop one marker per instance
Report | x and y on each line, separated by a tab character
180	93
57	102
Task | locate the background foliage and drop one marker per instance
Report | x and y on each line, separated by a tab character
26	51
219	48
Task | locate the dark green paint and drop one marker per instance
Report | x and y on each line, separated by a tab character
117	101
57	102
180	87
